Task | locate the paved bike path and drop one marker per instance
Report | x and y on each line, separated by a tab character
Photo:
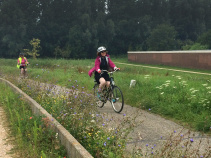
152	130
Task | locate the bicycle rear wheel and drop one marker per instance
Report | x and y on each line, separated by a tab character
117	100
97	96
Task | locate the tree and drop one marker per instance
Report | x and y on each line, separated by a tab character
162	38
35	43
205	39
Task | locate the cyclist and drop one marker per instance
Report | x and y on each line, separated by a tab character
22	64
102	62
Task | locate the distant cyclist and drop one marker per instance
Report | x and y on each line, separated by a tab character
22	64
102	62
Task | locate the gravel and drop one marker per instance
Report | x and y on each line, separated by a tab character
5	145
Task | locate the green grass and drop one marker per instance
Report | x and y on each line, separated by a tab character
182	97
32	137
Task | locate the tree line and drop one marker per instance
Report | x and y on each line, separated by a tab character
75	28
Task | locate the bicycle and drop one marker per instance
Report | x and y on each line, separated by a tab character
112	93
24	73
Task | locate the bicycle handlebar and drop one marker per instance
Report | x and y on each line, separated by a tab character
110	72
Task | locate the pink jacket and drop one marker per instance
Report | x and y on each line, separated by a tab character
97	64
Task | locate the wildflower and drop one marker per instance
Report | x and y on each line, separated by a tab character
103	124
124	114
175	131
56	135
108	138
30	118
151	152
93	121
191	140
147	145
149	109
104	144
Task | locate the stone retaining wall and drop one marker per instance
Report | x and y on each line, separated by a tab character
73	147
200	59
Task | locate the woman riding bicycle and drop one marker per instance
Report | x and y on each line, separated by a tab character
102	62
22	64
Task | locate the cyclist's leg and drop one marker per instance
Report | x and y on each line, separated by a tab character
25	71
107	84
22	71
107	78
102	83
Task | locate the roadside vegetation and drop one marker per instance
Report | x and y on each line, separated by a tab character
32	136
182	97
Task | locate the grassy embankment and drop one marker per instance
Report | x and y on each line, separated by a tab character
32	137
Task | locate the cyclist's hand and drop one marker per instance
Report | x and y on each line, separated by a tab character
116	69
99	71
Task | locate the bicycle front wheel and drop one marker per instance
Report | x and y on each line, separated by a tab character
97	96
117	100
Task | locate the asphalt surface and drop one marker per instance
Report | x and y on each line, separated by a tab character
152	131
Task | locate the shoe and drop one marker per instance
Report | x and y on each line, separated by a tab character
98	95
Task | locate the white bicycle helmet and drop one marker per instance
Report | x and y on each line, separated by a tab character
100	49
